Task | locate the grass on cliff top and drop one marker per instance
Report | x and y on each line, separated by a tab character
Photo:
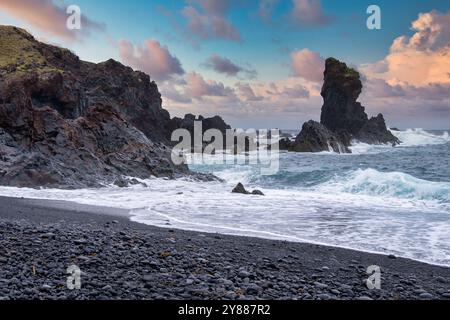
18	48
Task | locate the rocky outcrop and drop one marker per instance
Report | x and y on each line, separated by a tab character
241	189
57	78
342	119
314	137
342	114
68	123
189	120
187	123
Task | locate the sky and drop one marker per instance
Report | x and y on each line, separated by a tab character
259	63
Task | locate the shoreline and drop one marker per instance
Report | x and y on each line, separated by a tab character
41	238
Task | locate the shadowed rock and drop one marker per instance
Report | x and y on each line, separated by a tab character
240	189
68	123
257	193
314	137
342	114
342	119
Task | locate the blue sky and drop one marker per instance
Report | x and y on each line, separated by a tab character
265	45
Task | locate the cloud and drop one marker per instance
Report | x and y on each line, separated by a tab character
207	19
285	103
407	105
170	92
229	68
308	65
419	60
49	18
296	92
247	93
309	13
411	84
152	58
380	89
197	87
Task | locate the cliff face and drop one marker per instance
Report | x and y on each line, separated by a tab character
70	123
343	119
57	78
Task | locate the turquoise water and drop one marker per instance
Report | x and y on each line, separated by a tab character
417	169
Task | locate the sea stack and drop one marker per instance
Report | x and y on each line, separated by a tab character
342	114
342	119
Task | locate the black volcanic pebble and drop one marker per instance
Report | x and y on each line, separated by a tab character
139	262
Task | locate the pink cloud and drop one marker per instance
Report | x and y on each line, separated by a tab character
48	17
308	65
309	13
247	93
207	19
197	87
152	58
419	60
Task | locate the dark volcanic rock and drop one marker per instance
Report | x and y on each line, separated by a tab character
343	119
57	78
342	114
69	123
240	189
314	137
189	120
187	123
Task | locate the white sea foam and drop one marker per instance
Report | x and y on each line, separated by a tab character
403	226
387	212
390	184
420	137
408	138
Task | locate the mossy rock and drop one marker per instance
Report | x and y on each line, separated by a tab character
19	52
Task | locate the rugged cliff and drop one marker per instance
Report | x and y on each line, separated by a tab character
69	123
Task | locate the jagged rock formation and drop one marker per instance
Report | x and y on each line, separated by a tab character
187	123
314	137
69	123
342	114
241	189
343	119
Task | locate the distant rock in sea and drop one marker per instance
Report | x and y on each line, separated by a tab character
187	123
343	119
67	123
241	189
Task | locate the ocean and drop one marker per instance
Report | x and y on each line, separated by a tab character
383	199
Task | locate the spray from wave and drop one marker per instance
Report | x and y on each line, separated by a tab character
420	137
390	184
